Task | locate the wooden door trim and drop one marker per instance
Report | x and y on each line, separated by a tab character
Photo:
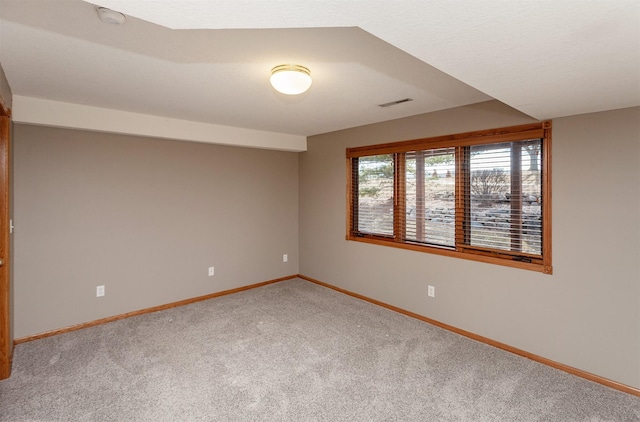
6	338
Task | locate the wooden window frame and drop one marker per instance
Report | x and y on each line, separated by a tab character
462	249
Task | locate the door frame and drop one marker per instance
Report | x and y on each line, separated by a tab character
6	334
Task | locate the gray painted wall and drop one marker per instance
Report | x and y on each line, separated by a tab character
586	315
144	217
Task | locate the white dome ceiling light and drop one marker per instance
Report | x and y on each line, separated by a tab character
290	79
110	16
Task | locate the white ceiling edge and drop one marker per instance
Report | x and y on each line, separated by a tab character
38	111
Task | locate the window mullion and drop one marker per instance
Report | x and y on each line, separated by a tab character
399	197
463	189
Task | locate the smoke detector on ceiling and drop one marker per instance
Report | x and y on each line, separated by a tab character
110	16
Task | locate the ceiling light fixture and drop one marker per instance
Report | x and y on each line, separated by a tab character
110	16
290	79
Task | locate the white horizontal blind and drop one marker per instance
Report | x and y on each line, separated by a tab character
374	195
430	197
505	203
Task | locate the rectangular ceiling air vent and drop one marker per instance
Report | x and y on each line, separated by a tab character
392	103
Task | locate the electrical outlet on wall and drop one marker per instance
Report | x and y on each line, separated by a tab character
431	291
212	271
99	291
285	258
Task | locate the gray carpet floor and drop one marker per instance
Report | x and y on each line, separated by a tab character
290	351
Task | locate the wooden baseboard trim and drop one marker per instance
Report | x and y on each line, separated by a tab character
147	310
569	369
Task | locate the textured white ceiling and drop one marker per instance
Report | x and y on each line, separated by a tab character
545	58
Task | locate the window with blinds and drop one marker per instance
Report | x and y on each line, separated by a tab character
483	195
505	200
374	194
430	196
